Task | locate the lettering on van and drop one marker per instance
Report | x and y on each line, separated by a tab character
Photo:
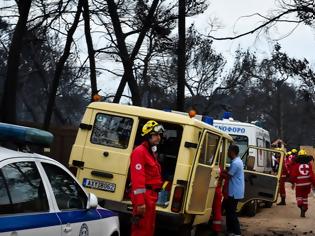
231	129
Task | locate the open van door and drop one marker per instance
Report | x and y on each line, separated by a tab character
260	185
106	153
204	175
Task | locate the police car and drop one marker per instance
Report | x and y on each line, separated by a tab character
40	197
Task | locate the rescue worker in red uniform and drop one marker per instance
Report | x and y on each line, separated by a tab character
283	179
302	175
146	180
217	204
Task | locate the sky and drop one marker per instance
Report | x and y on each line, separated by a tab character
300	44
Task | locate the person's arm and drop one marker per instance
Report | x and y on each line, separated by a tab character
312	175
138	180
233	169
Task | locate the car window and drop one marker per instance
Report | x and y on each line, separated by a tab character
209	148
4	195
22	189
110	130
68	193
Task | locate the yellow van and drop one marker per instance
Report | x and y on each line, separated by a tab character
190	154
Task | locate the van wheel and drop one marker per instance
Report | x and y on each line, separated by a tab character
268	204
251	208
187	230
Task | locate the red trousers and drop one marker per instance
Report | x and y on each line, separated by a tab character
301	193
217	212
146	225
282	186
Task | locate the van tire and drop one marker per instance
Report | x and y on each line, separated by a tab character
251	208
187	230
268	204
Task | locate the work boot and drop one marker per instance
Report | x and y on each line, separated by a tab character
282	202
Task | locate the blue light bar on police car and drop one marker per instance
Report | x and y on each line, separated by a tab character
27	135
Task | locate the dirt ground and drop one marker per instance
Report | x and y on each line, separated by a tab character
281	220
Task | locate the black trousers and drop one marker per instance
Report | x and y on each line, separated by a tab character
232	223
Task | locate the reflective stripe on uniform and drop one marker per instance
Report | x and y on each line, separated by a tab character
216	222
139	191
303	177
303	184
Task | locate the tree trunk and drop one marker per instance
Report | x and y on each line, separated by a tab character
279	111
146	26
181	56
89	43
8	106
127	64
60	66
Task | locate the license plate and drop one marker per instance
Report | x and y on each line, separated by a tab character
100	185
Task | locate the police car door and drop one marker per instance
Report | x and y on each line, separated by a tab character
259	185
24	202
203	176
71	201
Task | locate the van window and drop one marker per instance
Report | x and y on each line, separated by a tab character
209	148
111	130
222	154
260	154
267	144
242	142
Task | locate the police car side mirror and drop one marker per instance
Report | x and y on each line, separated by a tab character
92	201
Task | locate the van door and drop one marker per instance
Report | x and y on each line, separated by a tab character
204	175
106	154
258	185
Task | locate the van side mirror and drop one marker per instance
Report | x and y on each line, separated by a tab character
92	201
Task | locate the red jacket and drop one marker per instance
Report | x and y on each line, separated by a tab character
145	172
302	174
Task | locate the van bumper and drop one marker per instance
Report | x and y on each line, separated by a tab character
167	220
164	220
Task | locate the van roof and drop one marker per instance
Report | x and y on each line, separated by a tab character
155	114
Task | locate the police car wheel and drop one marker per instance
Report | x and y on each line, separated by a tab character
187	230
251	208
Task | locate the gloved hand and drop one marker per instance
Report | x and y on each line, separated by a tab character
141	210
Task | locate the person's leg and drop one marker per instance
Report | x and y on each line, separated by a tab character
282	191
298	195
216	208
305	192
227	208
146	225
235	223
299	199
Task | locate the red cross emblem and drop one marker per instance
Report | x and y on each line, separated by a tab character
304	169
